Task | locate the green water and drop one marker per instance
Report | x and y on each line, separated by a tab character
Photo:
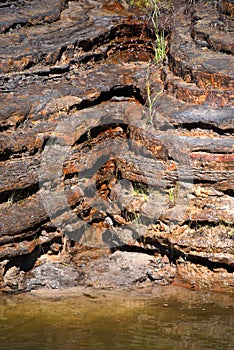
160	319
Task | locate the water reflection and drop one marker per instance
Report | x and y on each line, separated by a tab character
165	319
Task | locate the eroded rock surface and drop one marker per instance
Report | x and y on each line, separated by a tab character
115	170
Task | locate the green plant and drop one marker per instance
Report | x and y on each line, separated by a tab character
135	218
141	3
10	199
160	48
141	188
151	99
171	194
17	196
160	45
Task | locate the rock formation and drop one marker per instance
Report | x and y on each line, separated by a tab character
106	153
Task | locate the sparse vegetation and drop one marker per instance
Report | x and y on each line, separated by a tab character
141	3
171	194
140	188
151	99
160	44
159	47
17	196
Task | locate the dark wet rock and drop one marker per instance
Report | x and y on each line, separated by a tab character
126	269
16	14
101	148
53	275
49	275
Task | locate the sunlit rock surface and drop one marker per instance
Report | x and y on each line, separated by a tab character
115	170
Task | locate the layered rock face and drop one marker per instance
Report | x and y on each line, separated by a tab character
110	160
